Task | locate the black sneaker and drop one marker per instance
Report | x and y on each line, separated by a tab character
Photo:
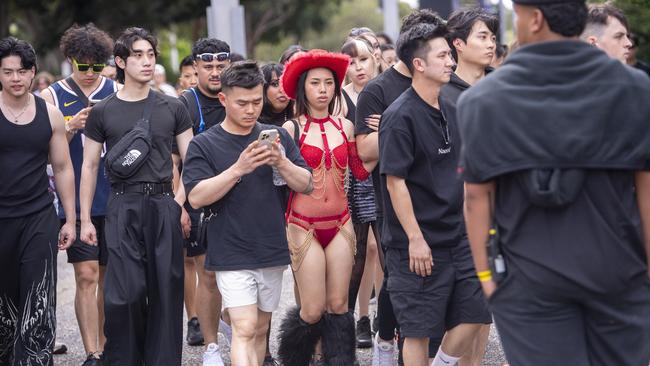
59	349
92	361
364	338
270	361
194	336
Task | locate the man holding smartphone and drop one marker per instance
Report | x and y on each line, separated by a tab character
228	171
88	49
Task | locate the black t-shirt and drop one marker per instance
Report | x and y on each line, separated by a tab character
211	108
248	231
417	144
592	244
374	99
113	117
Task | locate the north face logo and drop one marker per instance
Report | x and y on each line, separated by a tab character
131	157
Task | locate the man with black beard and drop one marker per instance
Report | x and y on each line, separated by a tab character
556	154
211	56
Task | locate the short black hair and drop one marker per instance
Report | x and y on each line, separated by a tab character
461	22
124	46
501	50
386	37
209	45
386	47
267	71
302	104
12	46
86	43
290	52
414	43
566	19
242	74
421	16
185	62
599	14
234	57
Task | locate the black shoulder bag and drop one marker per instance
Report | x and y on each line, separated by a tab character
132	151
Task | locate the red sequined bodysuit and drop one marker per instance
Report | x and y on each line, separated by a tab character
324	212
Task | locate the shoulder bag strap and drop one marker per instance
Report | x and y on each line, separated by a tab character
148	107
77	90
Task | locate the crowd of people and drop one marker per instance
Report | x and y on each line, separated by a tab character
455	180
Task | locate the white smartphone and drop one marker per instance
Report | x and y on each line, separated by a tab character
267	137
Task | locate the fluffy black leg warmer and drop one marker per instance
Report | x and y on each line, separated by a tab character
339	344
297	339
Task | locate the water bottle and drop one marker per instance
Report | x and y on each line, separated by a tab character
277	178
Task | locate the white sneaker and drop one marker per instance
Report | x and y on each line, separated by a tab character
383	353
226	330
212	356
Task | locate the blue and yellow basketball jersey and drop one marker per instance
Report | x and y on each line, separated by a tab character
67	101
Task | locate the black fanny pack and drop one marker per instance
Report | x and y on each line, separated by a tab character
130	153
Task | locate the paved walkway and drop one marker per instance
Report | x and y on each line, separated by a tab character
68	332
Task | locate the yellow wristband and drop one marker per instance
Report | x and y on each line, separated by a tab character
484	276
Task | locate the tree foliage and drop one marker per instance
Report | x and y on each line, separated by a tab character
43	22
271	21
349	14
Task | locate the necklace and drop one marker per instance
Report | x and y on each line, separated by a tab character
16	116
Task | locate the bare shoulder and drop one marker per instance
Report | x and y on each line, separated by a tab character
348	127
47	95
55	116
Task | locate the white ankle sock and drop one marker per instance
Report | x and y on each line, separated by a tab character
443	359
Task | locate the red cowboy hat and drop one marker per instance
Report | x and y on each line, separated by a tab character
304	61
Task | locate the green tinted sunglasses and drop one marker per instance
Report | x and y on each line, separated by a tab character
97	68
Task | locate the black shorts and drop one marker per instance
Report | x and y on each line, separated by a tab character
426	307
193	245
539	325
81	252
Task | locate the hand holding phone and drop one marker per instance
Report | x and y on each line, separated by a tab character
268	137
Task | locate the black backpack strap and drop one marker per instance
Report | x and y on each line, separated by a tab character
71	83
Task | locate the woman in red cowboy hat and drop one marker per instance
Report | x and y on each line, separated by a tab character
320	233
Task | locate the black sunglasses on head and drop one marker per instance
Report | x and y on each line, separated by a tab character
209	57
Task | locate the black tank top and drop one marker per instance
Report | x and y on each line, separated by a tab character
23	162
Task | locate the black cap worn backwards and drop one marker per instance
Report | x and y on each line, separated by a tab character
545	2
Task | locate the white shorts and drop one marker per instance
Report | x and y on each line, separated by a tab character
248	287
